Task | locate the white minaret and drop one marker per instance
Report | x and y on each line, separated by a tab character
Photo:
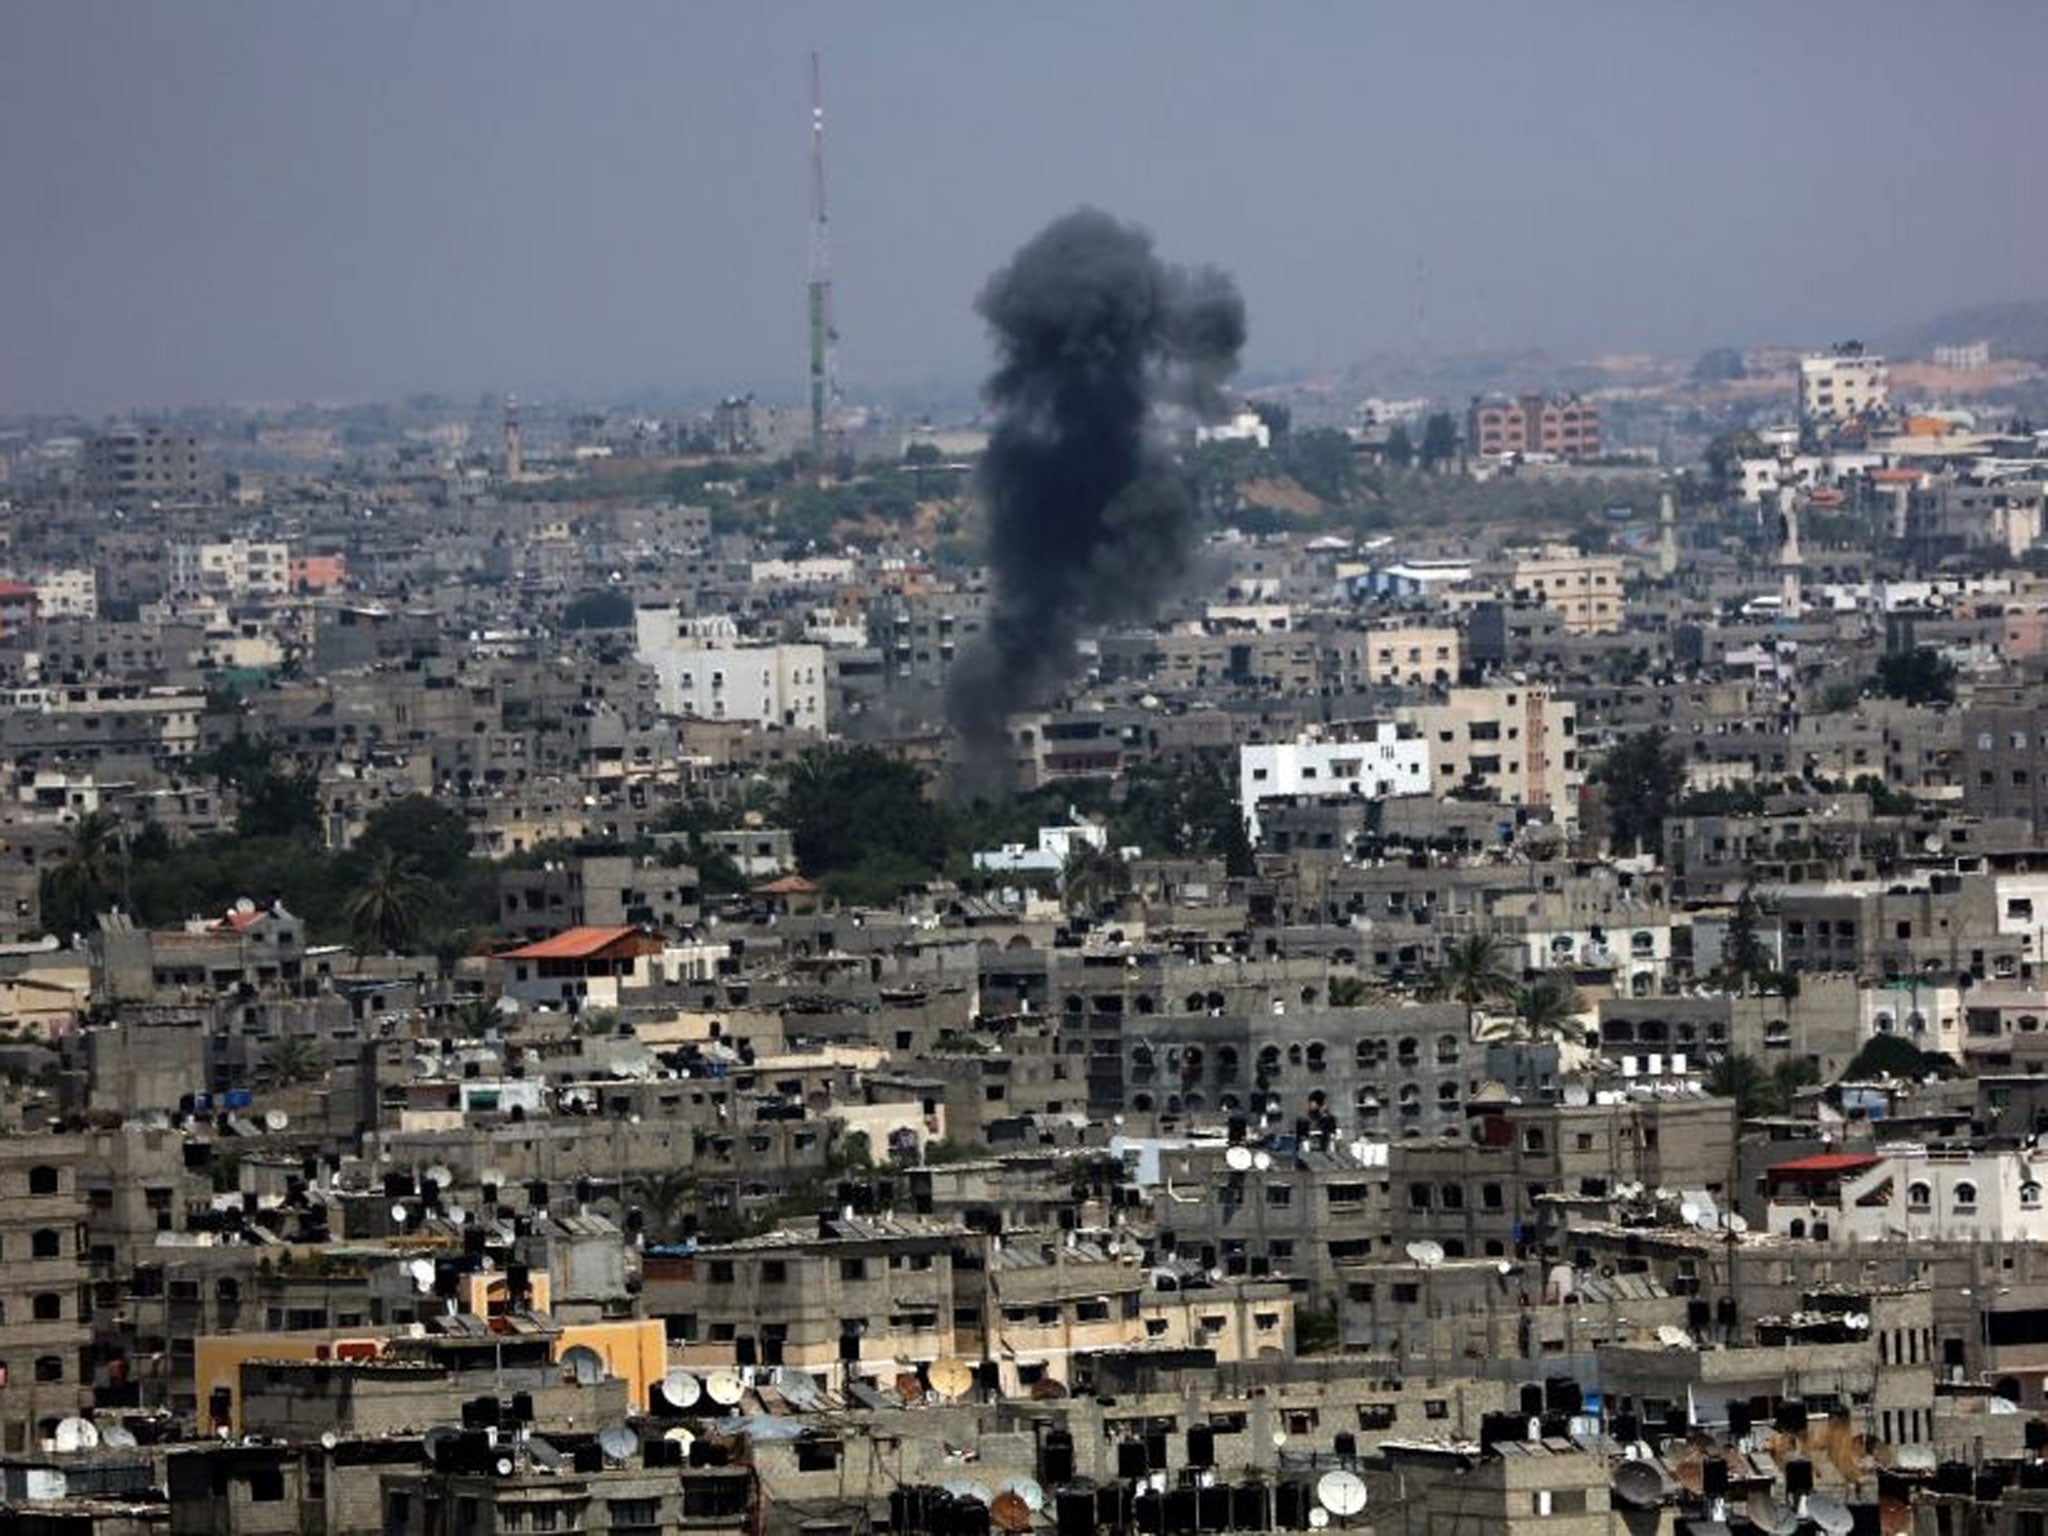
1667	537
1790	604
515	456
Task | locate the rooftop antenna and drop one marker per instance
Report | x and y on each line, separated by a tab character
824	338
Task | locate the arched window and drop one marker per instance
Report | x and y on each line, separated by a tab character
1882	1023
1919	1197
1447	1095
1916	1023
1318	1056
49	1368
1408	1051
1141	1057
1447	1050
2030	1196
1966	1196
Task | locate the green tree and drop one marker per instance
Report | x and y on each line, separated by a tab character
1400	450
1091	876
384	909
1642	777
1757	1090
420	832
1719	365
1891	1056
89	878
846	807
290	1061
664	1196
1186	809
1919	676
603	609
1474	970
1439	440
278	803
1351	992
1549	1008
1744	960
1724	457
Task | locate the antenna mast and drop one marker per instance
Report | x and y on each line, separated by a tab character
824	384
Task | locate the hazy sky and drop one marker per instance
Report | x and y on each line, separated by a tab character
205	201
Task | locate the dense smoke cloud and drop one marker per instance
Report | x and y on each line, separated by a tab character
1090	523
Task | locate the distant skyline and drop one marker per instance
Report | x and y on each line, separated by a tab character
211	202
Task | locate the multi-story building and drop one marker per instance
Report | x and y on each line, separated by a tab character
232	568
68	594
1516	743
708	672
1842	385
1584	589
134	466
1567	428
43	1334
1375	760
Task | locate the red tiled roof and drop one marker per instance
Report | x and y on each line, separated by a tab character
1827	1162
788	885
578	944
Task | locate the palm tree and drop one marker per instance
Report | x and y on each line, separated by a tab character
665	1196
1091	876
291	1060
385	908
1549	1008
1474	970
90	876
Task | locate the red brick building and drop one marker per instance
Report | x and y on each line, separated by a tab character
1566	428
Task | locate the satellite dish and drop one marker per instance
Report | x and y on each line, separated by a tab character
1342	1493
1319	1519
1025	1489
681	1389
1505	1267
1425	1253
618	1443
504	1466
723	1388
1830	1514
121	1438
1238	1158
275	1120
441	1174
1689	1213
438	1441
585	1364
399	1213
1638	1483
1010	1513
967	1488
76	1434
1672	1337
1576	1094
1738	1224
1279	1438
950	1378
680	1436
422	1271
1858	1321
1262	1159
1771	1515
544	1455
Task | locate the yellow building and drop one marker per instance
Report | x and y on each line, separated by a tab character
1584	589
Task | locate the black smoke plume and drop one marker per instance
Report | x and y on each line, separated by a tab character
1090	522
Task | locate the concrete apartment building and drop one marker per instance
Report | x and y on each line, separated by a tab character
1842	384
231	568
134	466
1565	428
44	1372
1376	759
705	670
1516	743
1585	590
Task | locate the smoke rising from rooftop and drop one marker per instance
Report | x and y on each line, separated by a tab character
1090	522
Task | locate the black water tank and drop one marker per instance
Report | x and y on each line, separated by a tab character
1714	1478
1561	1394
1798	1477
1201	1446
1076	1513
1056	1459
1739	1421
1130	1460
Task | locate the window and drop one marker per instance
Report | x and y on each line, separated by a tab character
46	1244
42	1180
49	1307
2030	1196
49	1368
1966	1196
1919	1197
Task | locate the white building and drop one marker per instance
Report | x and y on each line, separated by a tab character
1244	427
1911	1194
233	568
1842	385
68	594
1382	760
703	672
1929	1014
1055	846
